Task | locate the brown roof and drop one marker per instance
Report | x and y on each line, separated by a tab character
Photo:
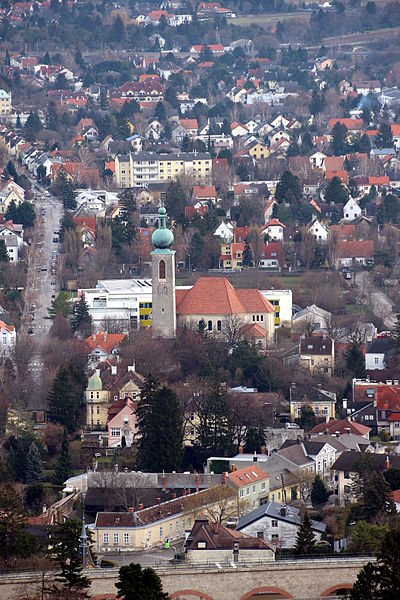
356	249
106	519
218	536
316	344
106	341
216	296
243	477
341	426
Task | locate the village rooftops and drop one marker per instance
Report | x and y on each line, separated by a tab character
274	510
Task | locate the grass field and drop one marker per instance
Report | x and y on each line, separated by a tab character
267	18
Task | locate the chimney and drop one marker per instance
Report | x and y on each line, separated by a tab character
387	462
131	368
173	495
164	482
216	527
140	506
223	478
337	433
283	510
158	500
344	403
197	482
188	491
319	385
113	369
263	450
130	509
233	468
240	449
348	430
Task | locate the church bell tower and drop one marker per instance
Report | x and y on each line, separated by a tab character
163	280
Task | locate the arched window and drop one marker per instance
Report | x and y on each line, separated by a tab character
209	325
219	327
161	269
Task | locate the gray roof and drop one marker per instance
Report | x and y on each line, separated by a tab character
274	510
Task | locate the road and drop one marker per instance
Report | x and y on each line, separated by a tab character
382	306
40	281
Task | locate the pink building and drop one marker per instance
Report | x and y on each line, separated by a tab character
121	423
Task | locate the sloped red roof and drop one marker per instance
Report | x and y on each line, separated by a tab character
253	330
204	191
356	249
106	341
244	477
216	296
341	426
351	124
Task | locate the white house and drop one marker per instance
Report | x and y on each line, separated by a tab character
274	230
319	231
351	210
225	231
8	338
277	524
282	301
376	354
13	240
317	160
311	315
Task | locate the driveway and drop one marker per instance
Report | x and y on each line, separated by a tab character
382	306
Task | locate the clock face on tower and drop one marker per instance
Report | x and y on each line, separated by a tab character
162	288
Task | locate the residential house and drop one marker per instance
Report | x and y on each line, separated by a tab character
258	150
274	230
323	402
8	338
355	253
122	423
213	303
317	160
5	102
318	230
318	449
311	318
225	231
205	193
346	472
251	485
351	210
13	237
277	524
317	354
96	403
225	546
231	256
337	427
272	256
102	346
377	353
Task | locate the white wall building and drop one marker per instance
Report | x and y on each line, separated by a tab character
8	338
319	231
351	210
282	301
127	300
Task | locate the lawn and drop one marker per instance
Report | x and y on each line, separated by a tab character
266	19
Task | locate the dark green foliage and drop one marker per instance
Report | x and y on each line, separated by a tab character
135	583
126	217
319	493
307	419
34	465
3	252
175	201
65	190
81	320
355	364
339	139
64	399
65	551
24	213
248	260
288	189
255	439
18	450
381	580
34	496
335	216
66	223
33	126
384	139
242	172
63	467
336	191
160	428
215	430
305	539
378	497
16	541
61	305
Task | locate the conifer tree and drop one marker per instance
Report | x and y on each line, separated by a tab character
81	319
160	428
62	399
34	465
65	539
16	541
247	256
3	252
135	583
63	467
305	540
378	498
319	493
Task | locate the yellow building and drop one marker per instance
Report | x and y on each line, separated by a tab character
258	151
5	102
231	256
146	167
145	309
317	353
322	402
96	403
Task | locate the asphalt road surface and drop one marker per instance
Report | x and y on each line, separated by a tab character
382	306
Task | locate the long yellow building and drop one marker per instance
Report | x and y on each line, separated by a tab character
146	167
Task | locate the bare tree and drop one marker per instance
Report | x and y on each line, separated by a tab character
334	249
307	246
230	329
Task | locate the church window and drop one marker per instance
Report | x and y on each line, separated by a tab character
161	269
209	325
219	326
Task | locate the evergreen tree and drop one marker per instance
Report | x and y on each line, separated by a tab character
355	364
319	493
215	432
81	319
384	139
135	583
63	467
66	192
65	540
63	401
378	497
33	126
16	541
339	139
11	170
305	539
34	465
175	201
307	418
255	439
335	216
289	189
3	252
336	191
18	124
160	112
126	216
364	144
66	223
160	427
61	305
247	260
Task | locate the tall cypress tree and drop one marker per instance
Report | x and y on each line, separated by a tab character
305	540
34	465
65	550
63	468
63	403
160	428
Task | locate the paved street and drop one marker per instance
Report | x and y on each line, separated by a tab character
381	305
154	557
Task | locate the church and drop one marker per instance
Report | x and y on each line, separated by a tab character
211	304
